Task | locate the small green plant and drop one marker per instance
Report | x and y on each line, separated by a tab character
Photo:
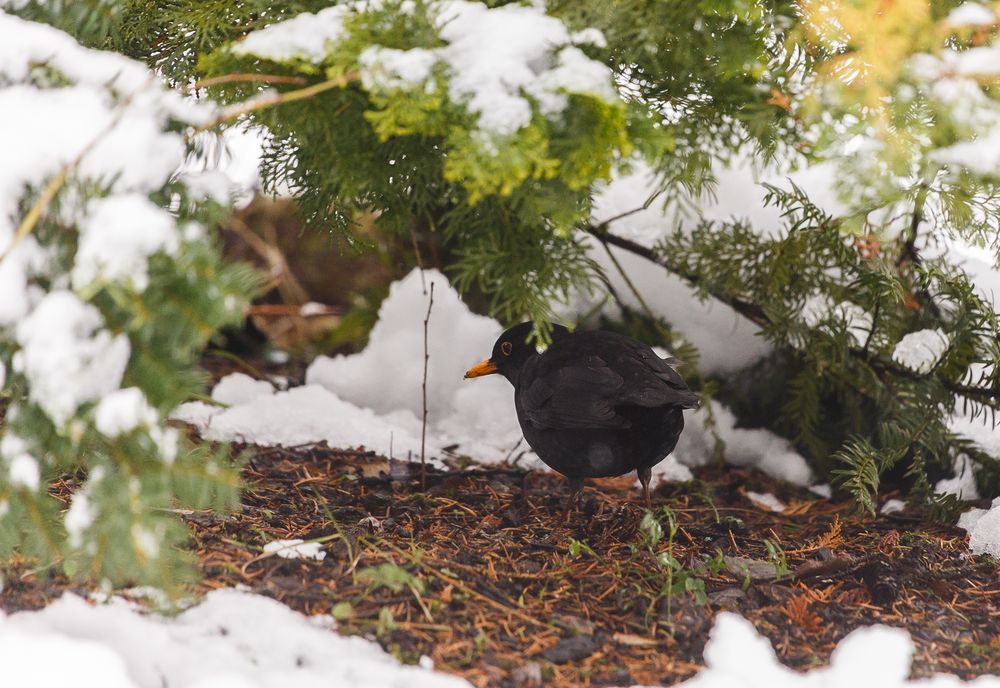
386	622
576	547
390	576
716	564
677	578
777	557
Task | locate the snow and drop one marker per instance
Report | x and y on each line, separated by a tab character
296	549
737	656
240	640
67	356
231	639
305	415
122	411
388	374
390	68
981	156
892	506
977	62
303	37
118	235
756	448
920	351
822	490
239	388
971	14
963	485
79	517
983	526
102	120
766	500
493	56
23	471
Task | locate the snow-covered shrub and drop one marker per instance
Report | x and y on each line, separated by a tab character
111	287
496	117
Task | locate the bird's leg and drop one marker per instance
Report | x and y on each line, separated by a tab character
575	488
645	475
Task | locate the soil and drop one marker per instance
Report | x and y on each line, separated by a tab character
480	571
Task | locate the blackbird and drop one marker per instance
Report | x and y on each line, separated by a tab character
593	404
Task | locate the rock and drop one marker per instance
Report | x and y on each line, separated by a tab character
573	649
758	569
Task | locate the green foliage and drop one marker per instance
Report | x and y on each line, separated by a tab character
676	578
131	470
390	576
835	312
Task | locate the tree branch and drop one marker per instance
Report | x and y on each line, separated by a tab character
756	315
751	311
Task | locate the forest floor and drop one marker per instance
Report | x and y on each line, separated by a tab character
480	571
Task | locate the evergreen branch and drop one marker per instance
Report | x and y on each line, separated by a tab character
751	311
269	100
756	314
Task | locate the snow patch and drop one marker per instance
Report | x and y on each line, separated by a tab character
892	506
757	448
963	485
66	356
983	526
766	500
971	14
122	411
23	471
296	549
304	36
736	655
387	376
823	490
725	340
920	351
238	388
230	639
494	57
305	415
117	236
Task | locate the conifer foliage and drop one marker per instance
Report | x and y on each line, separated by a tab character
112	286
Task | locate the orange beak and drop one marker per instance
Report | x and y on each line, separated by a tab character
480	369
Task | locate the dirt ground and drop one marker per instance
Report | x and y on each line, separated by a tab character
481	573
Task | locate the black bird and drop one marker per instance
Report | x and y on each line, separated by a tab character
593	404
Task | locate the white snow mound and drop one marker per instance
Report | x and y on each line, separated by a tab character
983	526
231	639
737	657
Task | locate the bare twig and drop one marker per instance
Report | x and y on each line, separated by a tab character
245	78
271	99
423	429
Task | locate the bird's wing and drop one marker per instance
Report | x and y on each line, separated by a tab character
579	397
650	381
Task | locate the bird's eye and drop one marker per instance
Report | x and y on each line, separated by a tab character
506	348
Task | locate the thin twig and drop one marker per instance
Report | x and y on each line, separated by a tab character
245	78
423	429
272	99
